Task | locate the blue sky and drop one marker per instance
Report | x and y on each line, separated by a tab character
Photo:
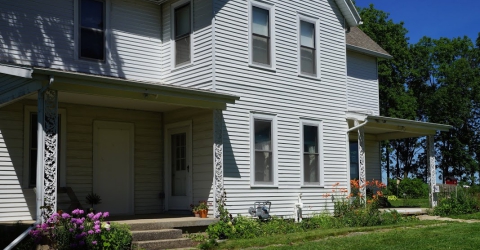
432	18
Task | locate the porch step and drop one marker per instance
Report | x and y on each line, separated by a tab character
164	244
158	224
162	234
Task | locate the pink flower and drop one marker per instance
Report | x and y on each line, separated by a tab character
90	231
94	242
106	214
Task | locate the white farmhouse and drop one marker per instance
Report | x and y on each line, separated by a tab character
156	105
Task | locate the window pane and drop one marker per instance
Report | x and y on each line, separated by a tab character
263	135
182	21
307	63
91	14
307	34
310	168
91	44
182	50
354	175
261	50
263	167
260	21
310	139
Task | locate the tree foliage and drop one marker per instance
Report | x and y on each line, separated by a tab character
433	80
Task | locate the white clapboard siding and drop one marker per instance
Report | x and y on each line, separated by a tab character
202	149
148	154
199	73
286	95
16	203
362	82
41	33
372	159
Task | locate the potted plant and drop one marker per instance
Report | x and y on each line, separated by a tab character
203	209
93	199
195	210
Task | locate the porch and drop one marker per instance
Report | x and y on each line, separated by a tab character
367	131
145	148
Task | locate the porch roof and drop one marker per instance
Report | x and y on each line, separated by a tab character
389	128
83	83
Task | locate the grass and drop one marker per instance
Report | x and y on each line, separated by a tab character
423	202
474	216
303	237
465	236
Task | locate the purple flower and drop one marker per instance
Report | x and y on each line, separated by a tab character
81	227
71	230
97	231
77	212
106	214
94	242
97	216
65	216
90	231
96	227
97	222
90	215
81	243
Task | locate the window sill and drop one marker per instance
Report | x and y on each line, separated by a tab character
311	186
263	186
182	67
257	66
317	78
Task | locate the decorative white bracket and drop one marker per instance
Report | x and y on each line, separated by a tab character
361	161
432	169
217	160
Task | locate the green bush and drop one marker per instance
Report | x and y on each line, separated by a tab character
412	188
463	201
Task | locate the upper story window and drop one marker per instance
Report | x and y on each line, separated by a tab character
182	31
92	29
262	35
263	145
307	47
311	153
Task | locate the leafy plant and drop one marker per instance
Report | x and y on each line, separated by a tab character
463	201
93	199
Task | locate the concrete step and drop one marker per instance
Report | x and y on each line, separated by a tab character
162	234
158	224
164	244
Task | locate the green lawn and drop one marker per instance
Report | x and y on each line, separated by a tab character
475	216
445	236
307	238
424	203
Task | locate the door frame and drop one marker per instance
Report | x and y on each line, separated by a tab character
168	172
116	125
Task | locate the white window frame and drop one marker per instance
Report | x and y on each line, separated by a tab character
173	6
273	119
319	125
271	9
76	33
316	23
26	146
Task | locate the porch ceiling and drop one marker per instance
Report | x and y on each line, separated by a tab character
388	128
123	93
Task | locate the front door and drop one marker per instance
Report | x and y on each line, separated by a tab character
113	166
179	166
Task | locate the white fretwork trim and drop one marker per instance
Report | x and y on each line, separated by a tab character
361	162
217	160
49	159
432	169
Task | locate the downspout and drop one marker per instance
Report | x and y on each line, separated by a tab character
358	126
39	191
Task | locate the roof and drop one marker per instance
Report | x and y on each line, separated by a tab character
358	41
389	128
349	12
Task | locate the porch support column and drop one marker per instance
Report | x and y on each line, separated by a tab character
361	162
217	161
47	144
432	169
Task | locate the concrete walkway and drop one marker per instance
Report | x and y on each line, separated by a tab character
431	217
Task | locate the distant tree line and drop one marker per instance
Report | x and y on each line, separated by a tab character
433	80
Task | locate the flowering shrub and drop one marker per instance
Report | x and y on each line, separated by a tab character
65	231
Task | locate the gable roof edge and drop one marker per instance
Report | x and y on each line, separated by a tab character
349	12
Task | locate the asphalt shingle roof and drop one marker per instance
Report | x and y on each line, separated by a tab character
359	41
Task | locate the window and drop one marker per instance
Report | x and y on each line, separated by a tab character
92	29
311	153
307	46
262	35
30	143
354	174
182	30
263	155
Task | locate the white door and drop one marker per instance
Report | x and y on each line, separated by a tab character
178	166
113	166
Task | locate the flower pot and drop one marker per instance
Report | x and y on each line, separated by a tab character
196	214
203	213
